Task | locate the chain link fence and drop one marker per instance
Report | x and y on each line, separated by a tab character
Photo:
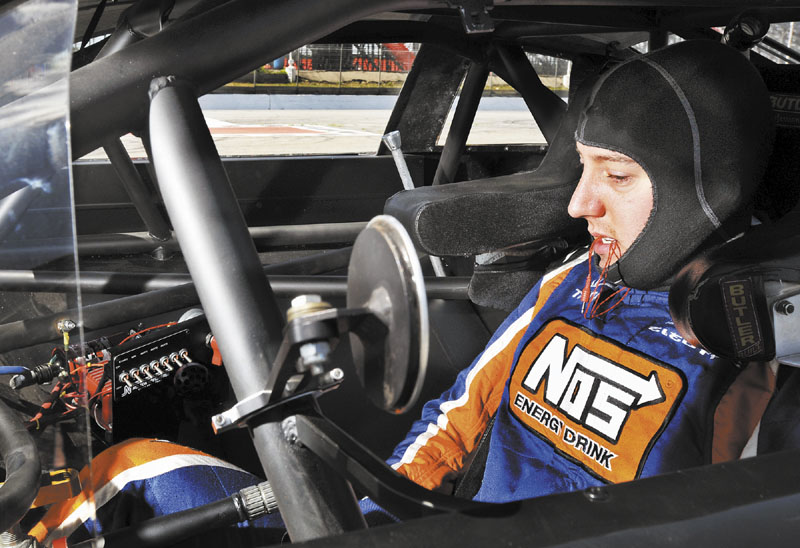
381	65
367	68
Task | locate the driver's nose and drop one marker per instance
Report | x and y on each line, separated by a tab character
585	201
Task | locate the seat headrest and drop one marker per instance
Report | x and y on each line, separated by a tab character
486	215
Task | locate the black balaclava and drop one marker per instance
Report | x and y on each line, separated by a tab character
697	117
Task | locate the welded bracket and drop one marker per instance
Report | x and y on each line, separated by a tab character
785	320
475	15
289	380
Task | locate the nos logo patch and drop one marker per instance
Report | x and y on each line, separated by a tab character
597	402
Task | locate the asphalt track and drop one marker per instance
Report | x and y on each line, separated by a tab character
294	125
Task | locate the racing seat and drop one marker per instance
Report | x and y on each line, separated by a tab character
515	224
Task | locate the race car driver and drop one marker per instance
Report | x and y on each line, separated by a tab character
587	381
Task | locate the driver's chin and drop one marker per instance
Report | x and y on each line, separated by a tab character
604	260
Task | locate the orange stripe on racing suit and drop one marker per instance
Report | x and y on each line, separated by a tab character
441	442
98	480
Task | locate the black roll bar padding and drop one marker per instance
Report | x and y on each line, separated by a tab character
425	99
109	96
23	468
238	302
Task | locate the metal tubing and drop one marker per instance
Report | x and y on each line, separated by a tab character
135	23
463	117
318	263
118	283
452	288
144	18
238	302
264	237
131	283
123	36
139	194
316	234
546	107
24	333
201	7
213	236
122	244
781	49
394	142
109	95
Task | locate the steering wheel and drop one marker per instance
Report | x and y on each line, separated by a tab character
23	468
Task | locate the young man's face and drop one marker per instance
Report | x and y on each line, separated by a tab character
614	195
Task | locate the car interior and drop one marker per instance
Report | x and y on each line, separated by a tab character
133	294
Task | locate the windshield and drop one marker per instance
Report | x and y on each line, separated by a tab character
37	236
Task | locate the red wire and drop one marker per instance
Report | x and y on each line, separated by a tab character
592	298
68	392
106	390
47	405
145	330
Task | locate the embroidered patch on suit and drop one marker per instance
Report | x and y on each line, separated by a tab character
596	401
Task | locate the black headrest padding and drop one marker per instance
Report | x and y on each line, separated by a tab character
489	214
483	215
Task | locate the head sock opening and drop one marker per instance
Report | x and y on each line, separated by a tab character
697	118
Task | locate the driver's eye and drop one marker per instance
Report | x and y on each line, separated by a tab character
617	177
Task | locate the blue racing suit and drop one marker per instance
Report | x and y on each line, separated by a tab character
578	402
